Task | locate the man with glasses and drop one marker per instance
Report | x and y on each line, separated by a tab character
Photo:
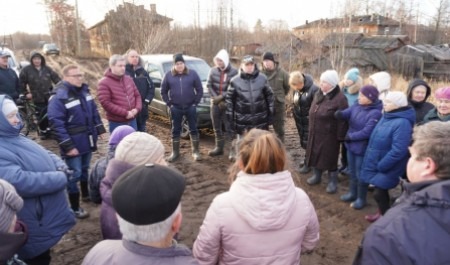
249	101
75	120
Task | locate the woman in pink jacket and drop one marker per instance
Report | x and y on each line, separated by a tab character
263	218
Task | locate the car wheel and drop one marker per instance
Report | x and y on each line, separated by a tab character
184	128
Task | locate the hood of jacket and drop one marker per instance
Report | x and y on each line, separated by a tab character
354	89
37	54
403	112
265	201
382	80
418	82
431	195
223	55
6	129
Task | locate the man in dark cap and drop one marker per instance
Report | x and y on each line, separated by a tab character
36	82
279	82
147	201
182	90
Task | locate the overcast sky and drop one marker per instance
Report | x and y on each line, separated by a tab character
30	15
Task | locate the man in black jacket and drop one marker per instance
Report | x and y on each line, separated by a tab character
415	230
39	78
144	84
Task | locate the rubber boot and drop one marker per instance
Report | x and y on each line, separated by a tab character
84	191
304	169
175	150
315	178
218	150
373	217
234	145
352	192
195	149
362	197
74	199
332	182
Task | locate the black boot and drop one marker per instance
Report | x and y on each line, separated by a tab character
332	182
74	199
175	150
84	191
218	150
195	148
315	178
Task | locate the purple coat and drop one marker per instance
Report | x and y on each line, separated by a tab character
361	120
108	219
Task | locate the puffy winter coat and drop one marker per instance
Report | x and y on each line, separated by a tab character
98	172
414	231
361	119
74	118
387	152
181	89
32	171
325	131
218	79
110	252
9	83
108	220
40	82
421	108
302	104
262	219
118	95
249	102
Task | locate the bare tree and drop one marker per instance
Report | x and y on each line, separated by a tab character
440	19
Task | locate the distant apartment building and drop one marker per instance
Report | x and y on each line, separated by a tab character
121	28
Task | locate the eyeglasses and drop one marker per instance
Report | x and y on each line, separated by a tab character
77	76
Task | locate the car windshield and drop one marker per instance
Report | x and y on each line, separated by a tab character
51	46
199	66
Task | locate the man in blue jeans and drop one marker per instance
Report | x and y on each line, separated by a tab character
181	89
74	118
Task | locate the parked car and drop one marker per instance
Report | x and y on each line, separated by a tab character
159	64
50	48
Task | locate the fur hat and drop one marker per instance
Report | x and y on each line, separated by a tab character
10	204
442	93
352	74
268	56
148	194
178	58
119	133
397	98
370	92
8	106
139	148
331	77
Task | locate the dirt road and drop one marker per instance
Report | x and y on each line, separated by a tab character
341	227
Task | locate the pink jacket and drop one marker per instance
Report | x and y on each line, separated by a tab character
118	95
263	219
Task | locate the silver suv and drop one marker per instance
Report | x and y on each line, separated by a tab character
159	64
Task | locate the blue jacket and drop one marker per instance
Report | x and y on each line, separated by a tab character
414	231
361	120
32	170
9	83
387	153
181	89
74	118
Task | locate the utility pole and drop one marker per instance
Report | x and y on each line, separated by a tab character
77	23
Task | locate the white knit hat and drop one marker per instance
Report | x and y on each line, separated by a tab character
10	204
8	106
397	98
140	148
331	77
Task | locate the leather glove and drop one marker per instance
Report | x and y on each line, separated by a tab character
217	100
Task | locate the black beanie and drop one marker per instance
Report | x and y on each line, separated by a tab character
178	58
268	56
148	194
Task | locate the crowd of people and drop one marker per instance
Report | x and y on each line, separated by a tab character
377	136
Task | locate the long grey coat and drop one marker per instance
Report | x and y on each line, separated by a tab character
325	131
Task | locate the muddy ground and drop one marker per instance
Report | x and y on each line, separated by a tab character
341	227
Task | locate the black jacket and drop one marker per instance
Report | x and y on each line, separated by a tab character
249	102
421	108
215	74
40	82
302	104
142	81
